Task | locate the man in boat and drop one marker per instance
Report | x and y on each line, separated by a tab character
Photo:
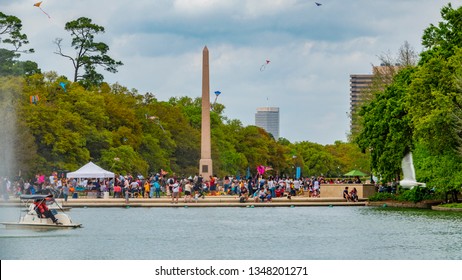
43	211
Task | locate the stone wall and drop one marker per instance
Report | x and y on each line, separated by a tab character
336	190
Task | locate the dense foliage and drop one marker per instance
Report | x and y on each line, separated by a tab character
421	111
112	126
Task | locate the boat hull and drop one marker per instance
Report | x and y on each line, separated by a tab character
39	225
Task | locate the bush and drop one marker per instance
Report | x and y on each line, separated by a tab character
416	194
452	205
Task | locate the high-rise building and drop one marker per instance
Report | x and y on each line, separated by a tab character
360	85
268	119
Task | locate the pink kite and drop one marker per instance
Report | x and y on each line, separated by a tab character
263	67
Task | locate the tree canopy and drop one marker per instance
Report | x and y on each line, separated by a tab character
420	111
89	54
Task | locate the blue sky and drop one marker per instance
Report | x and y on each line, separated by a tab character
313	50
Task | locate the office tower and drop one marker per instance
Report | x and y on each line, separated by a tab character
268	119
360	89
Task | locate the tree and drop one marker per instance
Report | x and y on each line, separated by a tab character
11	26
387	132
90	54
444	39
10	33
9	66
347	157
435	104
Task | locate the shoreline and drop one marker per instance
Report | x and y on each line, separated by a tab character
209	201
233	201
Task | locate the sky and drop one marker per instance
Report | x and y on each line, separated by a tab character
312	49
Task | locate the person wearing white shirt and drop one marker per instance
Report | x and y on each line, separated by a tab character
175	192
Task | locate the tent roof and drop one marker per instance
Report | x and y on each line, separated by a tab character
90	170
355	172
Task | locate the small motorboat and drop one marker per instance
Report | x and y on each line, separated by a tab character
31	218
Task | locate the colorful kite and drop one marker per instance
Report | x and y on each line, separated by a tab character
38	6
263	67
34	99
216	96
261	169
63	85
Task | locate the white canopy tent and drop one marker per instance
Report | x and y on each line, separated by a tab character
90	170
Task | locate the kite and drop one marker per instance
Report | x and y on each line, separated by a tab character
34	99
216	96
156	120
263	67
318	4
261	169
38	6
63	85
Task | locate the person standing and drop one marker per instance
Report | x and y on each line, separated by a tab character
152	187
187	191
213	186
147	189
316	188
175	192
126	191
66	191
272	186
226	184
157	188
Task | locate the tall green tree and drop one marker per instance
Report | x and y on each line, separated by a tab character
387	132
11	33
89	54
435	103
443	39
12	41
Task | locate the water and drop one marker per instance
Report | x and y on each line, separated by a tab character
317	233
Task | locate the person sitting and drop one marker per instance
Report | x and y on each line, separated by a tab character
44	212
354	195
262	194
346	195
244	194
256	197
269	196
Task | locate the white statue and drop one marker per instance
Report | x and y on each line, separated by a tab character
409	180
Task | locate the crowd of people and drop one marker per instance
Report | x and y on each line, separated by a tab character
192	188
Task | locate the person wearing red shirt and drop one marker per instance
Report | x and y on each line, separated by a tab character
43	211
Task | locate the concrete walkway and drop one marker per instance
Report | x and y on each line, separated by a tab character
209	201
